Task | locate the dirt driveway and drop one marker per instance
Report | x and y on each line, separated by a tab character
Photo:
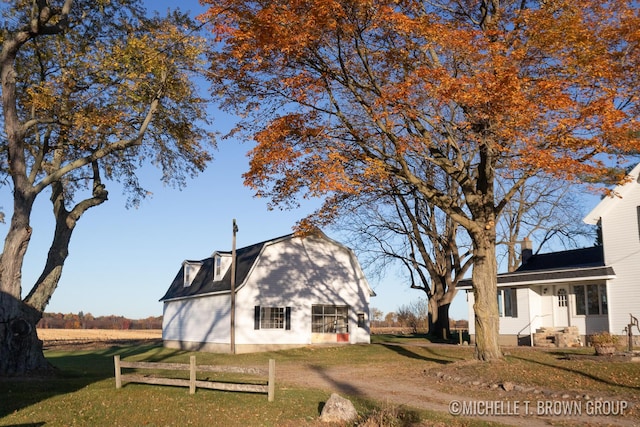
421	389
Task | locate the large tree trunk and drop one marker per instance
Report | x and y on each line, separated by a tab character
485	291
20	348
439	320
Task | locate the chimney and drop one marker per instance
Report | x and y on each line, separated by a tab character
526	250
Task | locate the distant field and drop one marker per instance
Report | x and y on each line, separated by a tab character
98	334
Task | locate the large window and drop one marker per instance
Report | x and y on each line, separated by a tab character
591	299
329	319
507	302
272	317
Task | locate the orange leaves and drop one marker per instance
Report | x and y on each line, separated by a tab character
389	86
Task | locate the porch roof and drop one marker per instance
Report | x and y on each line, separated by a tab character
586	264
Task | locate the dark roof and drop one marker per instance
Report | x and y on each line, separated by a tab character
576	258
203	283
585	263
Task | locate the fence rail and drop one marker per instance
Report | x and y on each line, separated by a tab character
193	382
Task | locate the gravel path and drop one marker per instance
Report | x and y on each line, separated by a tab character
420	390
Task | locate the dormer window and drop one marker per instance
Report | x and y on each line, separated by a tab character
218	267
190	271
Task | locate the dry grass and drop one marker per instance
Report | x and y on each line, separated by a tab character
98	334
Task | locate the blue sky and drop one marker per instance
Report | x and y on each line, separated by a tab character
121	261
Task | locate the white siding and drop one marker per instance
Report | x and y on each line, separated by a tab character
517	325
293	272
621	239
204	319
299	273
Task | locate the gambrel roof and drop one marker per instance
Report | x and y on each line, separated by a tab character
204	284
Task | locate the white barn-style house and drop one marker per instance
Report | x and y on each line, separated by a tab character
560	298
291	291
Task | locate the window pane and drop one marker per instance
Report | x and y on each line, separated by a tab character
329	319
603	299
272	317
562	298
507	302
593	304
329	309
580	297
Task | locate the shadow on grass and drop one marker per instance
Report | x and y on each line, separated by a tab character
336	384
576	371
74	370
434	357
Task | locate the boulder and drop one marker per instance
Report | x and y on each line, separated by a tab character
338	409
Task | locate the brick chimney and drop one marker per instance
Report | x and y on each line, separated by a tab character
526	250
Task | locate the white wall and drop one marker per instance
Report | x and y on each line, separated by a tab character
203	319
299	273
296	273
621	239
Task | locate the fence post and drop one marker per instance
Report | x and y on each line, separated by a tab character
272	380
192	375
116	363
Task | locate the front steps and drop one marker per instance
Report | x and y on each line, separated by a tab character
557	337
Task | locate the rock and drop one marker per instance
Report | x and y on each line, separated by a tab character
507	386
338	409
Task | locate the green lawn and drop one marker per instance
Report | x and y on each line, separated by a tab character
84	393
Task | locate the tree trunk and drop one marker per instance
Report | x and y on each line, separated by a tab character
439	320
20	348
485	291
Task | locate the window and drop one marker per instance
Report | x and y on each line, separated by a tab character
272	317
329	319
361	321
591	299
190	270
562	298
507	302
218	271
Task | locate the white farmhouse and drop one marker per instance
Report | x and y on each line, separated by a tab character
560	298
290	291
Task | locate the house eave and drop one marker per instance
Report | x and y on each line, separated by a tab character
546	277
196	296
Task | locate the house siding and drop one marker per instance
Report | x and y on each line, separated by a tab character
300	273
294	272
197	320
622	251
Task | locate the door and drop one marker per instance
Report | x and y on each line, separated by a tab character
561	310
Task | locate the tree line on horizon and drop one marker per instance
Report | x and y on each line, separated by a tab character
88	321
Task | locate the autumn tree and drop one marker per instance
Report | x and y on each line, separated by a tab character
91	91
343	97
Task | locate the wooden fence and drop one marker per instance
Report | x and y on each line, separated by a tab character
193	382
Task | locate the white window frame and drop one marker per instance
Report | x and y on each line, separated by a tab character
603	308
189	273
329	319
272	317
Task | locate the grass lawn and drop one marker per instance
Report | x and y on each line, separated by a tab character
84	393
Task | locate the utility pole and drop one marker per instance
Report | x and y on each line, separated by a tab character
233	288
